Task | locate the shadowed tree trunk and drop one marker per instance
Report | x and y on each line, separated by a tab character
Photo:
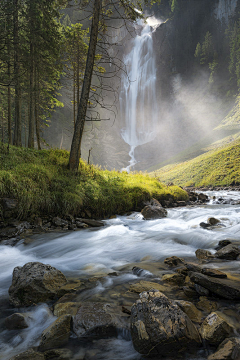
31	80
9	97
82	108
18	127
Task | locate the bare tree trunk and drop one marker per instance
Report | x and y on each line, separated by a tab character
25	124
2	128
74	97
37	110
31	117
75	152
9	116
31	83
9	99
78	79
18	127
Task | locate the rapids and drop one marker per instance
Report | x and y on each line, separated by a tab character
124	242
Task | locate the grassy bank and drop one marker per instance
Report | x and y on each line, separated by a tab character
43	185
218	167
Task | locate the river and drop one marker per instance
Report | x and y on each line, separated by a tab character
124	242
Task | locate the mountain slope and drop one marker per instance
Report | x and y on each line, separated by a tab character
217	167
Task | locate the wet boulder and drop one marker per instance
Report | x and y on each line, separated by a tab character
190	309
159	327
203	254
140	272
201	290
145	286
58	354
215	329
57	334
214	273
229	349
189	291
90	222
29	355
221	287
66	308
97	320
202	197
33	283
229	252
193	267
204	225
207	305
153	210
213	221
223	243
81	225
177	279
17	321
58	222
174	261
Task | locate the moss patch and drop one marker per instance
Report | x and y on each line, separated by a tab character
42	184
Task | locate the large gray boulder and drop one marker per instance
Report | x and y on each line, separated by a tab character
33	283
97	320
153	210
229	252
159	327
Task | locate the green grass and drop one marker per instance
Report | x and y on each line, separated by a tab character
218	167
213	140
43	185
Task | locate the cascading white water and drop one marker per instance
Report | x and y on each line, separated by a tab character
225	9
138	91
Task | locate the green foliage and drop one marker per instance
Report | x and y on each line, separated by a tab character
43	185
198	51
215	168
174	6
206	55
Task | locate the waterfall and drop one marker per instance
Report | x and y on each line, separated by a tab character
138	91
225	9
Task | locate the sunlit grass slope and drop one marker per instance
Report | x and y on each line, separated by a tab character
42	184
217	167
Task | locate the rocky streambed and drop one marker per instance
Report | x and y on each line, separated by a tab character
131	289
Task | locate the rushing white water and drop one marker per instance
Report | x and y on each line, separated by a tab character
122	243
138	95
225	9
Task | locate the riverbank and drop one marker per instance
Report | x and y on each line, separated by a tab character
107	268
38	183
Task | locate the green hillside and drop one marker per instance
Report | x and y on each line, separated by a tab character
217	167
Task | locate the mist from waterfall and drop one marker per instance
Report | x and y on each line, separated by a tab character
138	101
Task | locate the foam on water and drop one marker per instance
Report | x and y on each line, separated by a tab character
123	241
